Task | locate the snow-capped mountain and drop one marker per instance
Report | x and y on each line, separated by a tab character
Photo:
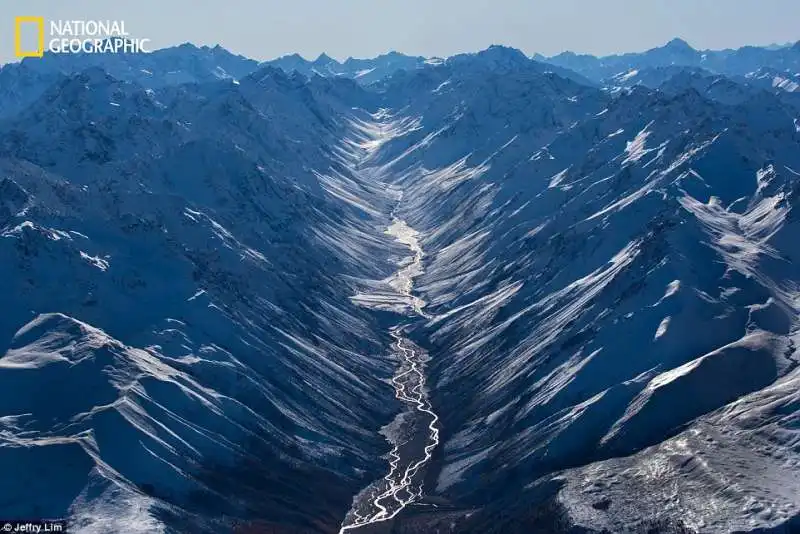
216	287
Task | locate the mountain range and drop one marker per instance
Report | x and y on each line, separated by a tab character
598	258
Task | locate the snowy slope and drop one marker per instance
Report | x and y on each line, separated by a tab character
173	264
569	256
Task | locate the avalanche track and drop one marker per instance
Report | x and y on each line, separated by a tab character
414	433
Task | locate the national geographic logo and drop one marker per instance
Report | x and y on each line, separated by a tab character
32	37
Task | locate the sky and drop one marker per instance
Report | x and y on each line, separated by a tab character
265	29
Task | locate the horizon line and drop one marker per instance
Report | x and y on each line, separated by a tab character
779	46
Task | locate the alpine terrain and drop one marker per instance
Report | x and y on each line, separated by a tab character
482	294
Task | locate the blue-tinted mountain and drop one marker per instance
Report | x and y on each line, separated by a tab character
565	239
22	83
365	71
738	62
200	290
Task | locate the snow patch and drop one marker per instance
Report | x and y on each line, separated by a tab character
635	150
97	261
663	327
557	179
627	76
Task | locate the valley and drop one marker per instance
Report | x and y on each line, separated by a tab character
414	432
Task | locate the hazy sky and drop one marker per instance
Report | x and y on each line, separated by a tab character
264	29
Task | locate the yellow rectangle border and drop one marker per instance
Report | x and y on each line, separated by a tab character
18	22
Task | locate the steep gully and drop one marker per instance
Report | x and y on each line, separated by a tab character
414	433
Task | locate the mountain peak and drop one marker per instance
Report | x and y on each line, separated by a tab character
503	54
324	59
505	51
187	46
495	56
679	44
295	56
